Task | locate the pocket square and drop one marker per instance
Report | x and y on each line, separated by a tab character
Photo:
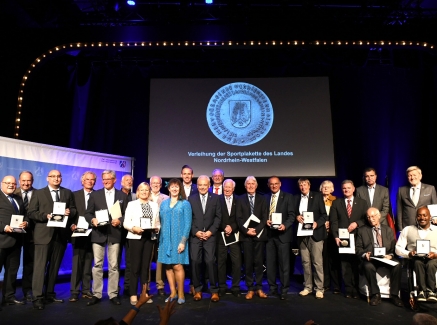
426	194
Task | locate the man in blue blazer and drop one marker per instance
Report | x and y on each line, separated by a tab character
207	217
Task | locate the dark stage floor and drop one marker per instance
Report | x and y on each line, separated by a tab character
333	309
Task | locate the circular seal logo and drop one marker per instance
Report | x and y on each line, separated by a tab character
239	114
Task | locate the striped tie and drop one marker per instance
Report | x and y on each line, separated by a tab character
272	206
349	208
251	203
25	201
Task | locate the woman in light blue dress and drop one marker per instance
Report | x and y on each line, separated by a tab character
175	215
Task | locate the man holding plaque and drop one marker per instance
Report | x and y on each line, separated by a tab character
419	243
280	234
50	242
12	215
348	214
227	241
311	247
82	249
252	215
375	245
105	213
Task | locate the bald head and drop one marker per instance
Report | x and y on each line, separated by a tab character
373	216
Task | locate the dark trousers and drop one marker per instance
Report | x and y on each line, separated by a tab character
425	273
124	245
140	251
10	260
28	258
331	263
253	260
350	269
207	250
369	270
278	258
82	265
222	258
48	259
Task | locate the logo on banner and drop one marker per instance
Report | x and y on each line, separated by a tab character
239	114
122	163
75	176
39	171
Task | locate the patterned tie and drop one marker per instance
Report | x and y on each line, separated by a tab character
14	205
216	190
415	196
228	204
349	208
25	201
272	206
378	237
203	203
251	203
56	195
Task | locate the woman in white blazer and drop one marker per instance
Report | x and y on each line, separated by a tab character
141	219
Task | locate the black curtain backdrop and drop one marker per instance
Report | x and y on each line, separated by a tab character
383	113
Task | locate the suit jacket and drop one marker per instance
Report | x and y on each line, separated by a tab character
364	242
405	207
161	198
193	189
338	215
97	201
31	226
211	189
285	206
210	220
79	198
316	205
381	200
9	239
41	205
228	219
260	210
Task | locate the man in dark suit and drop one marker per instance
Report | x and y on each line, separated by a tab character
311	247
187	175
375	195
106	236
279	237
82	249
10	241
25	191
207	217
218	176
411	197
348	213
228	204
50	242
253	235
374	234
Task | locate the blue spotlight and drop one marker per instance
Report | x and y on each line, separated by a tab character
130	2
208	2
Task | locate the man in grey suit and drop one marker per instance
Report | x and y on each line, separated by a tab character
410	198
367	240
207	217
375	195
50	242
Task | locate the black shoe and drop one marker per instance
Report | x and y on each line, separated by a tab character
283	296
94	300
396	301
421	296
273	293
337	291
236	294
54	299
38	304
115	301
29	297
74	297
87	294
375	300
355	295
348	296
161	292
13	301
222	292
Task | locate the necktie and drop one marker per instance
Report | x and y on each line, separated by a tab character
25	201
14	205
371	194
87	197
216	190
228	204
349	208
415	196
378	237
272	206
251	203
56	195
203	203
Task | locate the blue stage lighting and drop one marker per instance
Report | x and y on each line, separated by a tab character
208	2
130	2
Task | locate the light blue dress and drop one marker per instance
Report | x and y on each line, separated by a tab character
175	225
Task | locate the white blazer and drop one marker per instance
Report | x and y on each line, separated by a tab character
134	213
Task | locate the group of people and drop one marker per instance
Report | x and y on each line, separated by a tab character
197	226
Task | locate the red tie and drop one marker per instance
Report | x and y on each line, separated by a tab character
349	208
216	190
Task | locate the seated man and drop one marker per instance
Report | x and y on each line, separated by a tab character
374	234
426	266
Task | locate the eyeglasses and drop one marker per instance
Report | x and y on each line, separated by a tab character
107	179
55	176
10	184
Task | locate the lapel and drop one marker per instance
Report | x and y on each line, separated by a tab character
422	195
407	195
199	202
279	202
367	196
48	195
208	201
8	203
370	236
